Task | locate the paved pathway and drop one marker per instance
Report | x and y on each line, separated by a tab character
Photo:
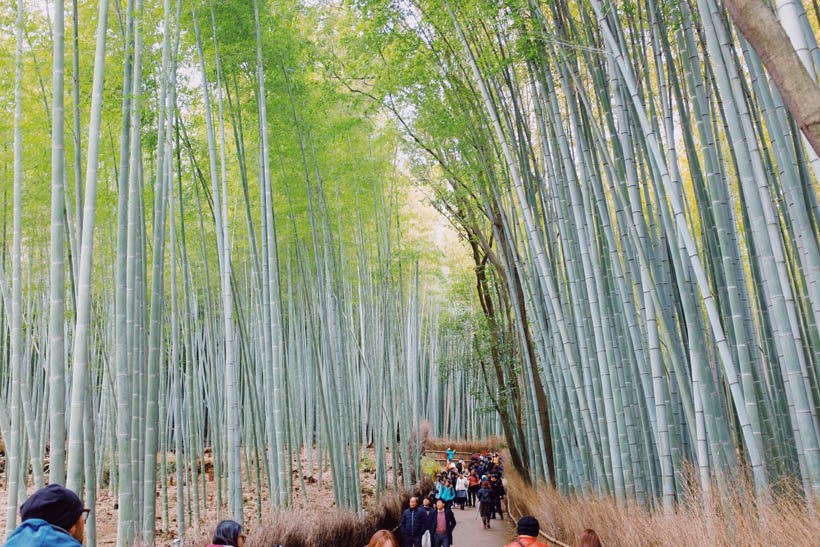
469	532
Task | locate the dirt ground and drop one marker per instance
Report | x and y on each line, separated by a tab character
320	500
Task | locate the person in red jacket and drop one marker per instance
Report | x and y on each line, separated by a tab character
474	485
528	529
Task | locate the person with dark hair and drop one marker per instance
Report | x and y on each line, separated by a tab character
474	485
228	534
438	485
413	524
589	539
498	494
52	516
485	503
447	494
427	507
441	524
462	484
528	529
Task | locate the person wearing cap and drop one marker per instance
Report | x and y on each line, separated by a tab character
52	516
528	529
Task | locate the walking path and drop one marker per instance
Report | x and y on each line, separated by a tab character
469	533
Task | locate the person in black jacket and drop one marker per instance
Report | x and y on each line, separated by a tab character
427	507
413	524
498	493
485	503
441	524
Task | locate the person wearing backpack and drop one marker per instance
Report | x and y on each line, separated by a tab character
485	503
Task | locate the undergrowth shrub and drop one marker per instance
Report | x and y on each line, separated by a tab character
302	528
733	518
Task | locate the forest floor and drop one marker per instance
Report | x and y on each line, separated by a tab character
320	500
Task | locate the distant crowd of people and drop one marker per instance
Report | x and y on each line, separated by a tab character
477	482
54	516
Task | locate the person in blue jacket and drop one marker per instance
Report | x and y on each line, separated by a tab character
52	517
447	493
413	524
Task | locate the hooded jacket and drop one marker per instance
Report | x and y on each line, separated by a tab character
39	533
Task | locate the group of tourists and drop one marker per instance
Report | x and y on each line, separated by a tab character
477	482
54	516
429	525
463	484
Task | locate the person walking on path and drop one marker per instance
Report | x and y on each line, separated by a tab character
52	516
498	494
472	490
528	529
462	484
447	494
441	525
413	524
485	503
438	485
426	507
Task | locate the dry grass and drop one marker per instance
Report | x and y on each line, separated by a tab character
439	444
302	528
735	518
320	508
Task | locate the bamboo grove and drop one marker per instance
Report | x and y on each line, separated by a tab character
219	275
643	215
224	270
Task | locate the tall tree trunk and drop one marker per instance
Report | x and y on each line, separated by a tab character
798	88
125	528
152	422
14	444
57	276
81	359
